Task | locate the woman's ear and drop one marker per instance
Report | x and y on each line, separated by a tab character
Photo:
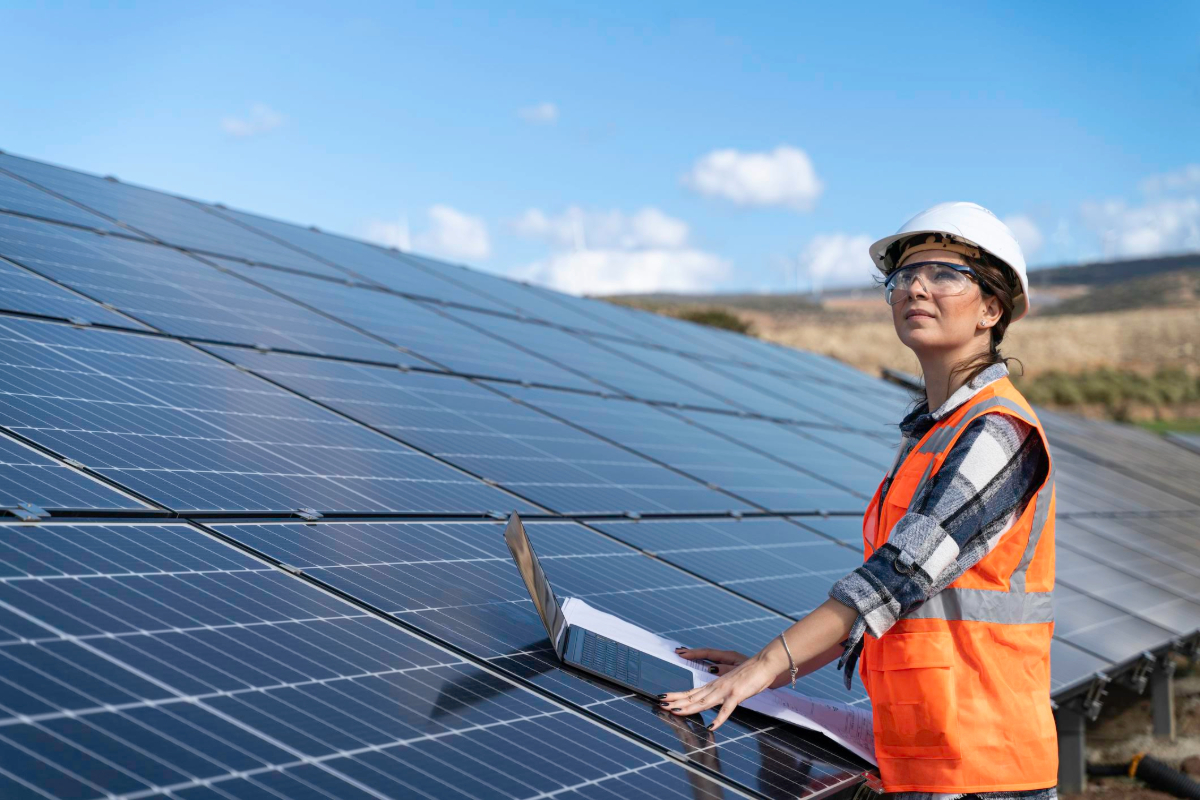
991	312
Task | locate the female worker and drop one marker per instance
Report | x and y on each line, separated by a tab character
949	617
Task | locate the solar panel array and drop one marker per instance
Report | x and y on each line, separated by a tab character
261	469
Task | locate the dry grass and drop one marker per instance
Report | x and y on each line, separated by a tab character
1142	340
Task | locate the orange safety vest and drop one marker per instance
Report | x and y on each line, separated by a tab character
960	686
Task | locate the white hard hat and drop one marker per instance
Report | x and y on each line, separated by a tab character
967	224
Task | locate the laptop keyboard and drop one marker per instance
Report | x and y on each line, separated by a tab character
611	658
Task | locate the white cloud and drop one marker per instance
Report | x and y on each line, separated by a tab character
838	259
1029	236
604	272
1163	226
389	234
540	114
453	234
450	233
611	252
782	177
262	118
1187	177
581	229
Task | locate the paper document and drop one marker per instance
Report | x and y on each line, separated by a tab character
849	726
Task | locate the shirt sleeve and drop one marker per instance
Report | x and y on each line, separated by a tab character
960	515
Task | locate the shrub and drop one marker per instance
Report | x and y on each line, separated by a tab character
716	318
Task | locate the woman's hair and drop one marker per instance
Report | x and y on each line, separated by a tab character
994	279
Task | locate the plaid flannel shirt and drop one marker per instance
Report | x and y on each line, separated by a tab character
960	515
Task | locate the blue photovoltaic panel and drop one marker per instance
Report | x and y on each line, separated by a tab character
1163	538
154	660
163	216
1164	566
711	458
1087	487
27	476
1139	454
19	197
26	293
1102	627
457	582
1170	608
181	295
798	445
737	394
419	328
524	300
195	434
830	402
371	263
484	432
771	561
579	354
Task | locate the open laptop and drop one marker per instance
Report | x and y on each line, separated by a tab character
584	649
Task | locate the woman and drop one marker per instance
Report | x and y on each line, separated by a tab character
949	616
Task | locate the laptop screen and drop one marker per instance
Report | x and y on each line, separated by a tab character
535	581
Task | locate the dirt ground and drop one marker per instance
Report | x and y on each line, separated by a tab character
1124	729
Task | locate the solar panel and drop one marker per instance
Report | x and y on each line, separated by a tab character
457	583
195	434
711	458
420	329
802	447
1102	627
29	476
579	354
24	292
1130	451
179	294
19	197
1188	441
153	660
163	216
735	394
487	434
771	561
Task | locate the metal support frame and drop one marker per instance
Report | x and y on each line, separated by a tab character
1139	677
1162	700
1071	722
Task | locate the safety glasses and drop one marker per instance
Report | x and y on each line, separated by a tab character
940	279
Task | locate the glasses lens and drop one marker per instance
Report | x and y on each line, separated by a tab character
939	280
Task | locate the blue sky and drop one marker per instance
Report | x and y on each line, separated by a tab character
624	147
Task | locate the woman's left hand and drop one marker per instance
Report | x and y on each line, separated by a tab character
745	680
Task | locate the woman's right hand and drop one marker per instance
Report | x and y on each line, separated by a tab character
723	661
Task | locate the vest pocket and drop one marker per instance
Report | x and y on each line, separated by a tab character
913	695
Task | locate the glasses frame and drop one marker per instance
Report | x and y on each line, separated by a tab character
962	268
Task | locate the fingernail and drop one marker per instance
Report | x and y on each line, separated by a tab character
677	649
713	670
710	727
664	703
677	709
661	696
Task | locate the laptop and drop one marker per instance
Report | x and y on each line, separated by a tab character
584	649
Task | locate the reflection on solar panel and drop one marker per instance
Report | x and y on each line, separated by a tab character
156	660
185	391
455	582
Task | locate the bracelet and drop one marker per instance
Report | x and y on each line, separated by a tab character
792	668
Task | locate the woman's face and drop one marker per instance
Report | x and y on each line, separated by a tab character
927	323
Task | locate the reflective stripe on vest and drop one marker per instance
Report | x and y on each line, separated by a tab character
986	605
